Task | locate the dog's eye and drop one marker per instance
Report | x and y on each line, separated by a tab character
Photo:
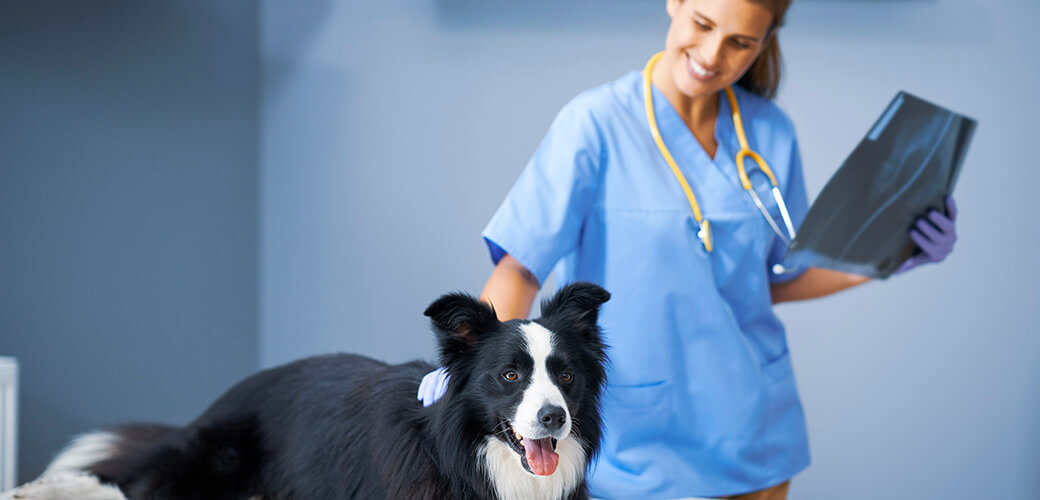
510	376
566	377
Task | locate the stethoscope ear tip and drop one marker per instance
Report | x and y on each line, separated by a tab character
779	269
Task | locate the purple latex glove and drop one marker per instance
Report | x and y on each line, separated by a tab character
433	386
934	235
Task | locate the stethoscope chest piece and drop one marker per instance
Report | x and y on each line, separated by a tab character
704	233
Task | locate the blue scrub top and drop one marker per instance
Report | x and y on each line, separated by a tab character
701	399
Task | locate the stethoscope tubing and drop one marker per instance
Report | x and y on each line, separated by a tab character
745	152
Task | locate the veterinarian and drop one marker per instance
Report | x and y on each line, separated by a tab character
701	399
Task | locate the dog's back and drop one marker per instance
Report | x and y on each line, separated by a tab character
316	428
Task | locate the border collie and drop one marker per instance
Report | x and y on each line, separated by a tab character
520	420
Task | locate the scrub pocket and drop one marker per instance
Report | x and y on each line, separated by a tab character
637	414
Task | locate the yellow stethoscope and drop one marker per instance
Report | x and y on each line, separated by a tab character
704	232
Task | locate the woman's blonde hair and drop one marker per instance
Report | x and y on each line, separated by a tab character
763	77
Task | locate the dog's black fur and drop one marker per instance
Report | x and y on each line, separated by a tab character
345	426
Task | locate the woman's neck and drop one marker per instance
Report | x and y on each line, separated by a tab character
698	112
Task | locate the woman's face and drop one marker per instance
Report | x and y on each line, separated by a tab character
711	43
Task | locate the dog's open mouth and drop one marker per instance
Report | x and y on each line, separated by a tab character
538	456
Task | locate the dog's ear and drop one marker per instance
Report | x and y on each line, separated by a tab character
459	320
576	306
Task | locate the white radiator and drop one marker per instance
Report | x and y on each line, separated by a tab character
8	421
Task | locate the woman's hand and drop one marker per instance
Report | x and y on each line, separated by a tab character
935	235
433	386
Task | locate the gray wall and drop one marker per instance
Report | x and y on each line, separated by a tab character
928	385
391	130
128	230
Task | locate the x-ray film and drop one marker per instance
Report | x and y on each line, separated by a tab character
906	165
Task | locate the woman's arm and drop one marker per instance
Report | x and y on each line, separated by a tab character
510	289
934	234
813	283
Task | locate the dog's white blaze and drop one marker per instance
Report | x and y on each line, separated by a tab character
513	482
85	450
542	390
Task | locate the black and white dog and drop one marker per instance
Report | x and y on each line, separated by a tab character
520	420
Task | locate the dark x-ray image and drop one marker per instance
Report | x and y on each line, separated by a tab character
906	165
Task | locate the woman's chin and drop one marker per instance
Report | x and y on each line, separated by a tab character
694	88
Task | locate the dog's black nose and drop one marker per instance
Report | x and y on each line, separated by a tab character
552	417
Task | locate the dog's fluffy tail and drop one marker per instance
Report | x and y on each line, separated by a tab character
109	453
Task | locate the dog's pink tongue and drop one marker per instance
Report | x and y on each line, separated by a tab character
540	456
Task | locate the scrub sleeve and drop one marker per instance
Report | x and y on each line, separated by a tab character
541	218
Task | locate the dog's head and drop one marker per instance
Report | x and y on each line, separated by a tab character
534	384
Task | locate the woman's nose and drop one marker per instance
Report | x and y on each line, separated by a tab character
711	53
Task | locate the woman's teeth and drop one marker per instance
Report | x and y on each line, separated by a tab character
697	68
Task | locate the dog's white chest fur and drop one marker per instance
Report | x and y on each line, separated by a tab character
512	482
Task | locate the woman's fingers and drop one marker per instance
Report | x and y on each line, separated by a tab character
951	208
928	230
923	242
942	222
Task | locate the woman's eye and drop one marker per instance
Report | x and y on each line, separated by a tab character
740	45
701	26
510	376
566	377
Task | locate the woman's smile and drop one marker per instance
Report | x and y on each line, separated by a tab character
697	71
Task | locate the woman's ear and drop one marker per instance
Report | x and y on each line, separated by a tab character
459	321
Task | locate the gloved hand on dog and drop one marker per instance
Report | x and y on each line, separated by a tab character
433	386
934	235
